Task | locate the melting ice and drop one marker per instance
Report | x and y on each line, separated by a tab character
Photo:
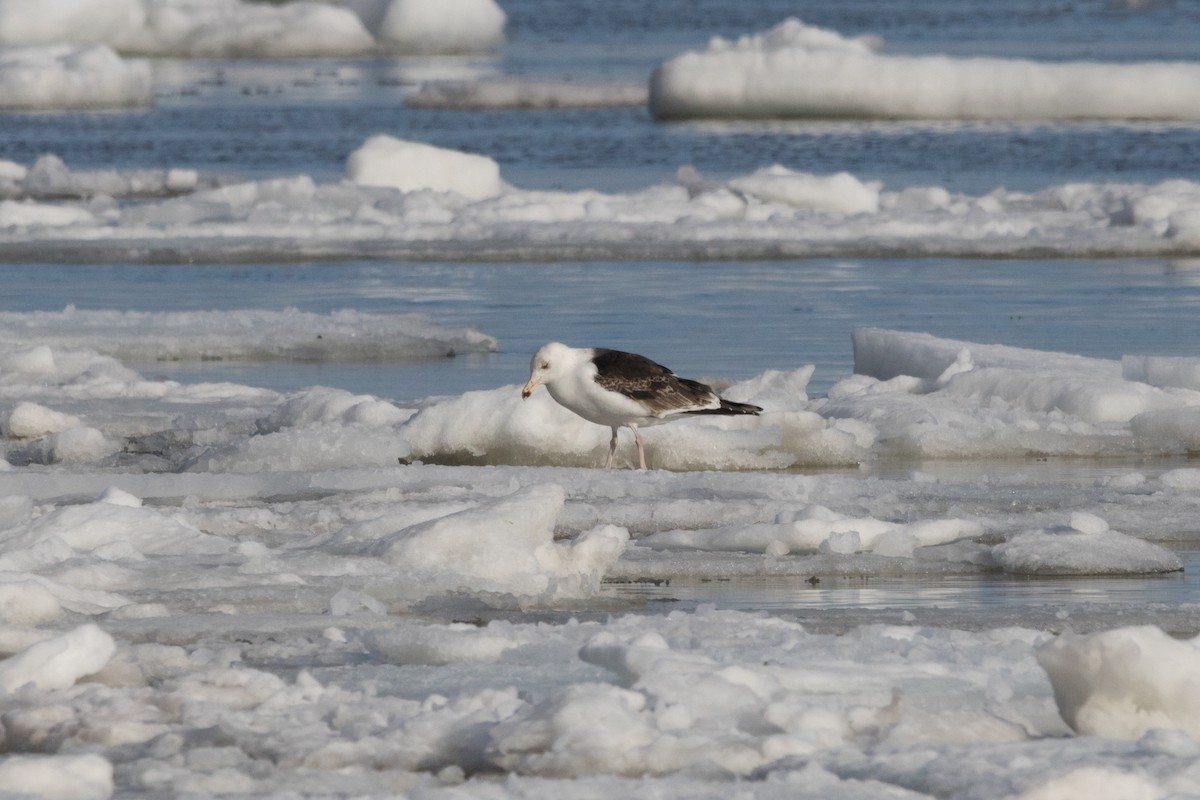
212	588
411	199
218	589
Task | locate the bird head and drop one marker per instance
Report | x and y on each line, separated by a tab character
548	364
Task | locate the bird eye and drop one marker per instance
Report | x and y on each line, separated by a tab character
545	365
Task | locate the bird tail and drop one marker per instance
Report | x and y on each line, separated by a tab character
729	407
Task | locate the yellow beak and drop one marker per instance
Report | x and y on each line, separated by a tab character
529	387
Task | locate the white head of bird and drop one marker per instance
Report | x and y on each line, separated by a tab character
549	363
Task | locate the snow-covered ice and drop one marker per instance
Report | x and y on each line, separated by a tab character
237	28
433	26
49	178
1124	683
457	206
416	167
798	70
247	594
218	28
962	572
71	76
142	337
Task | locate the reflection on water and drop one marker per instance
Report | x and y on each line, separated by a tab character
709	320
964	594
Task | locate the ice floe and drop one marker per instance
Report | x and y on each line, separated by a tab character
797	70
71	76
66	777
433	26
415	167
142	337
58	662
455	205
236	28
941	398
1124	683
50	179
250	595
629	704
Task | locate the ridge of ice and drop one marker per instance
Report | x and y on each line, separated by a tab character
798	70
237	28
409	199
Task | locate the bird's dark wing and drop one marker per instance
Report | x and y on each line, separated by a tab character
650	383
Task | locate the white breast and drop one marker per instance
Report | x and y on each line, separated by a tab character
580	393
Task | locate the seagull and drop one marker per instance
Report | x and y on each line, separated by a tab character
614	388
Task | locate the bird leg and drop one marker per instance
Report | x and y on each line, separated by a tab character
612	448
637	437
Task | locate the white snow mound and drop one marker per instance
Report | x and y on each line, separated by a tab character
796	70
1123	683
413	166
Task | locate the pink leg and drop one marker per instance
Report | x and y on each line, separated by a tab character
637	437
612	448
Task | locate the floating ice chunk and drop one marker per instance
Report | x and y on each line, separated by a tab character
62	76
1088	523
347	602
795	70
886	354
505	547
73	21
1095	783
29	420
119	497
1122	683
496	426
1184	227
57	663
232	28
413	166
77	445
1010	396
590	729
55	777
818	529
1087	547
15	509
1185	479
773	389
962	363
456	204
214	28
12	172
1162	371
322	404
27	214
672	709
434	26
317	428
841	193
841	542
24	601
458	643
50	178
246	335
91	526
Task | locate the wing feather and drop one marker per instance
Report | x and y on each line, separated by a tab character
651	384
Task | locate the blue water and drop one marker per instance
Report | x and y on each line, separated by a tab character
256	118
725	320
